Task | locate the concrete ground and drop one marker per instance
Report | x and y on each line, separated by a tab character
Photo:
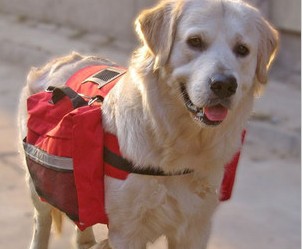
265	208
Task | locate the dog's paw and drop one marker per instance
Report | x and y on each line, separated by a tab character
104	244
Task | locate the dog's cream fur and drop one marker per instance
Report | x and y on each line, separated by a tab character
154	128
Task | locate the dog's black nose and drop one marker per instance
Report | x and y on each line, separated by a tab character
223	86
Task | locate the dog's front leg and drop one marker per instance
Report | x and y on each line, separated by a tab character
196	237
197	243
85	239
102	245
120	241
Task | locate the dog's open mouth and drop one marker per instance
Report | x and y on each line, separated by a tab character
209	115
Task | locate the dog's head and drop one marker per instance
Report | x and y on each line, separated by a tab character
216	52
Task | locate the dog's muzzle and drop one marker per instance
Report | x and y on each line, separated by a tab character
223	87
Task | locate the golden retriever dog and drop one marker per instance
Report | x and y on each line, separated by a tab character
182	105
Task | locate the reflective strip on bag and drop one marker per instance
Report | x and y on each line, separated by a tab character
47	160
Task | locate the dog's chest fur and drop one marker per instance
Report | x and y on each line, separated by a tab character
161	205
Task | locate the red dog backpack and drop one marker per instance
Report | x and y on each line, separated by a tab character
68	153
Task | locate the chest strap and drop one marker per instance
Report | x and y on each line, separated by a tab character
121	163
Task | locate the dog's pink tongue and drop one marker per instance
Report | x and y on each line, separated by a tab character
216	113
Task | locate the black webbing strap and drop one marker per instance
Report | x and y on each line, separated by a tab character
125	165
61	92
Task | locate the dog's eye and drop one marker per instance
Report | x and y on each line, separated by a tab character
196	42
241	50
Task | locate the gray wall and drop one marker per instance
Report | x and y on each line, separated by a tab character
114	18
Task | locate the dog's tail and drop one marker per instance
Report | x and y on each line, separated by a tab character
57	218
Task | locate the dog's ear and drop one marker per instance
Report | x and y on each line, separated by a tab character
156	28
268	46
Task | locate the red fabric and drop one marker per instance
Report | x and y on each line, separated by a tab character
112	144
88	158
230	174
60	130
90	89
44	116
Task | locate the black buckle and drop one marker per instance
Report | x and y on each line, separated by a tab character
97	98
